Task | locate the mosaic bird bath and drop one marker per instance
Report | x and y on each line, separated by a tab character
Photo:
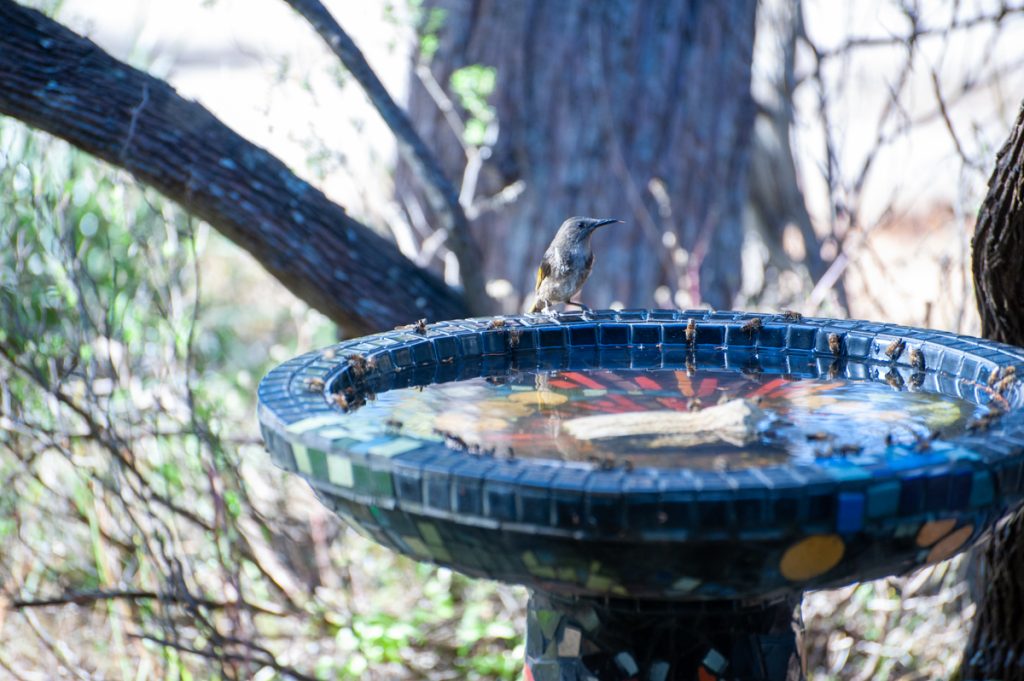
666	483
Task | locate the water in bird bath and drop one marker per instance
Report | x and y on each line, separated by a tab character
699	419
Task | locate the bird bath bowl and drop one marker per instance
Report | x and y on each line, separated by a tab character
666	483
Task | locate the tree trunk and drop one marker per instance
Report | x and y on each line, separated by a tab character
996	646
58	81
595	102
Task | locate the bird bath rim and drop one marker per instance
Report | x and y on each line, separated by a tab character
432	502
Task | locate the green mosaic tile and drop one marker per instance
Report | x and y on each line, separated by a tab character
301	455
548	620
317	460
982	491
542	571
883	500
417	546
430	534
339	471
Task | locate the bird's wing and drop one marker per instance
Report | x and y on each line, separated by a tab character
542	273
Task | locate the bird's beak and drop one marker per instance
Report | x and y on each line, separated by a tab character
602	223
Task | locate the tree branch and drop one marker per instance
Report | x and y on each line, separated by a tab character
56	80
82	598
440	192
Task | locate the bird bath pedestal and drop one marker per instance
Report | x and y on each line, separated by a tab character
666	483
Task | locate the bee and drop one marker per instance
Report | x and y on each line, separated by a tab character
818	436
691	367
1005	383
419	327
924	442
916	380
496	324
835	344
792	315
985	421
452	440
917	359
691	331
895	349
315	384
833	370
993	377
513	338
752	326
894	379
359	366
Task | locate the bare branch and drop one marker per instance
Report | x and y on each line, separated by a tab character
88	597
918	31
441	193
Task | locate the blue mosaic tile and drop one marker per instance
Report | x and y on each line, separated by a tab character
583	335
674	334
551	338
614	334
773	336
710	334
849	512
646	334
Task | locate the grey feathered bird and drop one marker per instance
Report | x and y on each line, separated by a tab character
566	263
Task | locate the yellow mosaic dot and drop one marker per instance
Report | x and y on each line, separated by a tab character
934	530
950	544
811	557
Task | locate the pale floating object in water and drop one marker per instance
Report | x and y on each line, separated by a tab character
735	422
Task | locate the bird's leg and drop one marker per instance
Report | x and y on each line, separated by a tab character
549	309
586	310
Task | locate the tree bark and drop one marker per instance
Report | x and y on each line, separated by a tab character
58	81
995	649
595	100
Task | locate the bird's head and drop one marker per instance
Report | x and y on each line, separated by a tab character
580	227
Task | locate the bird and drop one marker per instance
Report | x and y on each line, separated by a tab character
566	263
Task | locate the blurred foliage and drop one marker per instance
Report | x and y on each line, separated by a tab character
429	22
473	85
143	533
